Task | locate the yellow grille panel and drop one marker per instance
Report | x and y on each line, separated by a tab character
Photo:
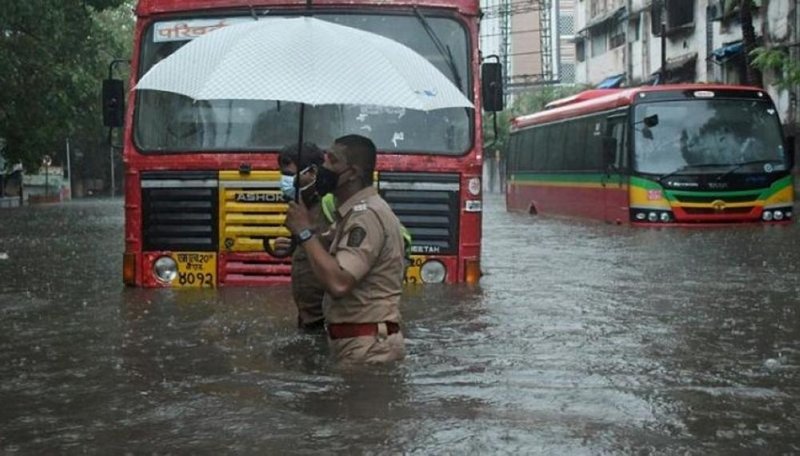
251	208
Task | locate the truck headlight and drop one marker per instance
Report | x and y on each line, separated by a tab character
432	271
165	269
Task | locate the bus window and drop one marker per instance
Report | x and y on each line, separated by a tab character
573	157
615	128
540	152
593	155
555	157
556	141
575	137
526	150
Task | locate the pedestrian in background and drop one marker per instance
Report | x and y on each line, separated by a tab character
362	270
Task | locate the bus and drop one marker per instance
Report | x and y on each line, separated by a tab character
201	184
694	154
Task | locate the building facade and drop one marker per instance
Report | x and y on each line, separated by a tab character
634	42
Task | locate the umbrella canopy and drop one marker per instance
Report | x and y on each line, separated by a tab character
303	60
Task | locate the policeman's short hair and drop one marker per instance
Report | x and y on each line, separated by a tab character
360	151
311	155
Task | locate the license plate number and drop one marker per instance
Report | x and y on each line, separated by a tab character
195	270
413	274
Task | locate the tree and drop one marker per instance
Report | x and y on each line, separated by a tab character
752	73
53	55
779	61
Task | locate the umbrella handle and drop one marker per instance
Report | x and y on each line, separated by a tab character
284	254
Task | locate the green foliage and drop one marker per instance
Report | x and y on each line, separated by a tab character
53	55
524	103
778	61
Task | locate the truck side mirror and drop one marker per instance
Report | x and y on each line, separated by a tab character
113	103
609	152
492	86
790	150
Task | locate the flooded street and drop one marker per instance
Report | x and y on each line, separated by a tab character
582	338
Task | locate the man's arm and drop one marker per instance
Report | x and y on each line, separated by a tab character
336	280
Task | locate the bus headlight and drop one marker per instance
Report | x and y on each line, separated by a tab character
777	215
766	216
432	272
652	217
165	269
474	186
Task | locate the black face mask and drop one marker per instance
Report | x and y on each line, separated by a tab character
327	181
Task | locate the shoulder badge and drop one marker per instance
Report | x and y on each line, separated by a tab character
356	236
360	207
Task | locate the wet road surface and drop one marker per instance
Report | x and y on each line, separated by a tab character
581	338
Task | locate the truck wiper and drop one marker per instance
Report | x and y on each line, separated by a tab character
684	168
444	51
737	166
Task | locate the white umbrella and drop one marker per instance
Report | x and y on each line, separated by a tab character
303	60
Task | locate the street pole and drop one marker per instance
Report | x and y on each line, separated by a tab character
46	182
69	172
663	53
111	159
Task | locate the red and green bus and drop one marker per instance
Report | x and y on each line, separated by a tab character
201	177
655	155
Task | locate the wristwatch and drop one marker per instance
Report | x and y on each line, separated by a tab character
304	235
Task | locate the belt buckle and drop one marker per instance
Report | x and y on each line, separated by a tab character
383	331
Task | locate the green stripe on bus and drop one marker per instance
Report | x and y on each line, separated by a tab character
761	193
562	179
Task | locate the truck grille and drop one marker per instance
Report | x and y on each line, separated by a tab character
179	210
252	209
427	204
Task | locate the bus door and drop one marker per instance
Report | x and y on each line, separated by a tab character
614	180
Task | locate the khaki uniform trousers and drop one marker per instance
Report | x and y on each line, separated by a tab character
377	349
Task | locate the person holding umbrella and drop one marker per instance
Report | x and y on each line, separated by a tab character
362	271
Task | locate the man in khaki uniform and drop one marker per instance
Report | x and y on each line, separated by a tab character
362	272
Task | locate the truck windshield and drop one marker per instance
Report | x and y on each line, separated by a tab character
167	122
708	137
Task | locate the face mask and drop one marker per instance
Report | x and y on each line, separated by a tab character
287	187
326	181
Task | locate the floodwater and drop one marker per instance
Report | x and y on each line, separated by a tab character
582	338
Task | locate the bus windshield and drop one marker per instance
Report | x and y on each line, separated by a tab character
708	136
167	122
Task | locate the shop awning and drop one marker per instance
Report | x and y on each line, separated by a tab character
726	52
612	82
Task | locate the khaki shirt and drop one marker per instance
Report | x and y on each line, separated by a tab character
375	261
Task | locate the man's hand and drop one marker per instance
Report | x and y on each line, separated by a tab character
282	245
297	217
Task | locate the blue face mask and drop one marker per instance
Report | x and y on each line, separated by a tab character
287	187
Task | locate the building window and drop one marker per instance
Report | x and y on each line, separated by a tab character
680	13
567	73
635	28
617	35
580	51
599	43
566	25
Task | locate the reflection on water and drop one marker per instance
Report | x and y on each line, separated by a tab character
582	338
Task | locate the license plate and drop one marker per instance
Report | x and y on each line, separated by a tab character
413	274
195	270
